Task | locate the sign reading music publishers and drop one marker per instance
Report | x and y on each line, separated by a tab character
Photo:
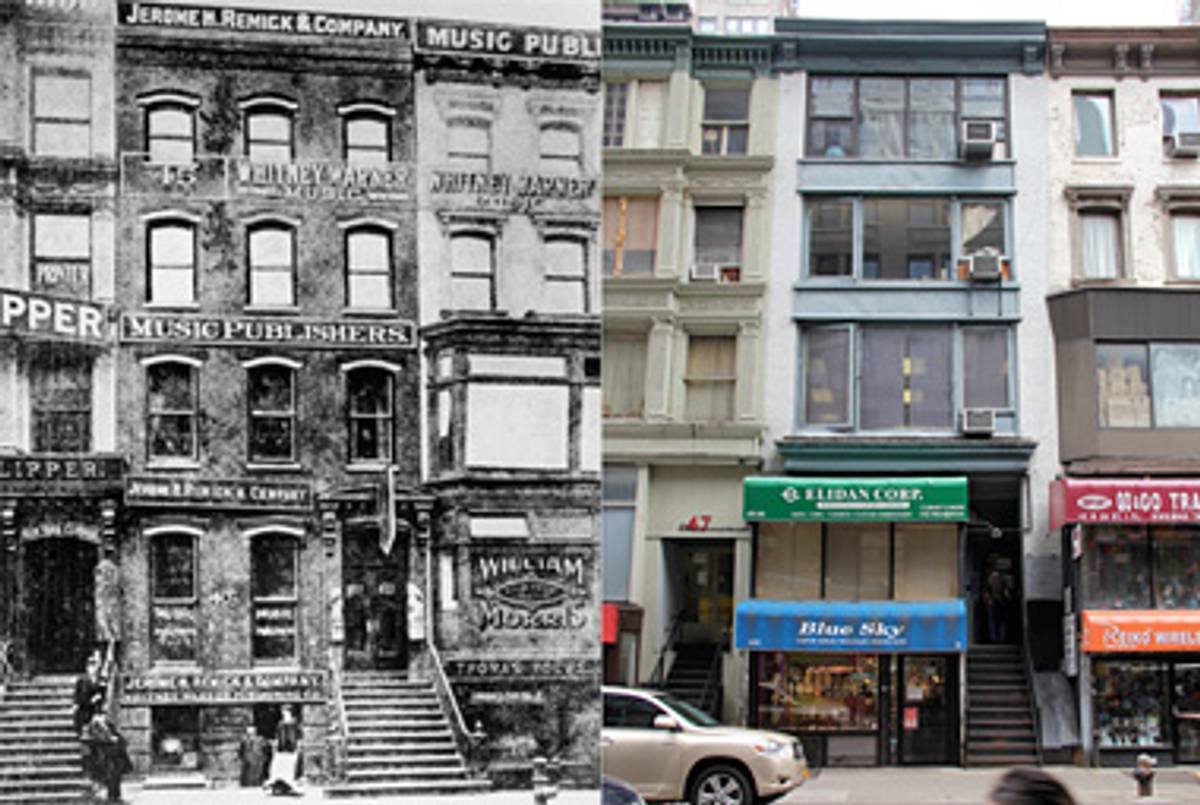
169	328
496	40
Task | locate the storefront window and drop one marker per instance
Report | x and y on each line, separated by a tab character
274	590
1176	568
175	737
818	692
1130	703
173	620
926	561
856	562
1117	568
789	561
1187	711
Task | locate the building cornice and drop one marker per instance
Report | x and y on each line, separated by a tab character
1124	52
901	454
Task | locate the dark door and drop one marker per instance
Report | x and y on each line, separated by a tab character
706	576
375	602
928	709
59	604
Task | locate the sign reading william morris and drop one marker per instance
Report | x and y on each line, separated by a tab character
167	328
542	588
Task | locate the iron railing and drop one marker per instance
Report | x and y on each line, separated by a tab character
659	676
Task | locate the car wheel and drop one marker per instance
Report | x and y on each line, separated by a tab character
721	785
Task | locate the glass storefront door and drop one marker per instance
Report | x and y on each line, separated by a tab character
1187	712
927	709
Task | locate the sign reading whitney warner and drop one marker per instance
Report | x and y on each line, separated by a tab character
185	17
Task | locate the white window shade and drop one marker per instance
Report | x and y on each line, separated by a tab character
1101	235
1186	231
537	439
651	101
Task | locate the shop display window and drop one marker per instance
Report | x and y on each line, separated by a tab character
1186	710
1117	568
1176	567
1130	704
834	692
175	737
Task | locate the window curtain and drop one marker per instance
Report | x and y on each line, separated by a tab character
711	376
881	117
719	235
624	375
931	132
1101	245
1187	246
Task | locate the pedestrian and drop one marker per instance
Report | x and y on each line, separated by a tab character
285	759
1025	785
997	603
254	754
87	687
108	758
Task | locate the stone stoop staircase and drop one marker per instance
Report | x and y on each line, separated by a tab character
1000	725
398	740
688	675
39	750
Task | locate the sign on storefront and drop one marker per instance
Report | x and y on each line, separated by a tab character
855	499
1150	630
1121	500
488	669
223	687
237	493
259	21
872	626
219	331
512	192
50	474
434	36
51	317
528	588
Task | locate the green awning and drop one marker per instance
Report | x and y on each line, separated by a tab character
855	500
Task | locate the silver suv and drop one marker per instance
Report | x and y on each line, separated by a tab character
669	750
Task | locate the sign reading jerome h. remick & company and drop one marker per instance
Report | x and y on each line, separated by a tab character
932	499
217	331
223	687
237	493
259	21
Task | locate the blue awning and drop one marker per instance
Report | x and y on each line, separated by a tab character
866	626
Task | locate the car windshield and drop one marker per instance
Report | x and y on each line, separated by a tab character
693	715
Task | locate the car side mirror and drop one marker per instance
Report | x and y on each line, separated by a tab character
663	721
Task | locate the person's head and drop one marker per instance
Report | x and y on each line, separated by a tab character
93	663
1024	785
251	732
286	713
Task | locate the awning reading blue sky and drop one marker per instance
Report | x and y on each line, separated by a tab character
868	626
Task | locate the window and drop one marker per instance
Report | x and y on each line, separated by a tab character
856	561
726	127
1180	115
707	25
747	25
719	240
1185	242
615	98
274	589
369	409
925	558
272	250
1100	231
1123	385
985	367
906	378
62	255
827	376
1130	702
566	275
1116	568
173	622
624	369
268	130
272	412
898	118
629	712
62	115
468	145
630	236
369	268
1176	584
170	134
368	139
788	565
60	393
897	238
472	271
561	149
1093	124
172	259
171	409
818	692
620	506
711	377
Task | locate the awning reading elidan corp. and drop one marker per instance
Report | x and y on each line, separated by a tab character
855	499
868	626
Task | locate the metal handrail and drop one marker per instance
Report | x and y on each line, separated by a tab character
659	674
1033	706
463	736
712	681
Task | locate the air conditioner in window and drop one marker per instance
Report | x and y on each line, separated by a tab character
977	421
985	267
706	272
976	139
1185	144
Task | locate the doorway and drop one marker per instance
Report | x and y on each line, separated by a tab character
702	584
59	604
375	606
928	708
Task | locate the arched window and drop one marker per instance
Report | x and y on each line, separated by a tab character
368	139
173	623
171	258
271	248
369	267
273	587
268	129
171	408
170	133
370	413
271	397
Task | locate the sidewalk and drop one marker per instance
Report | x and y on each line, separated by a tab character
930	786
251	796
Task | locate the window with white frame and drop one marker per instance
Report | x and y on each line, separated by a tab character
62	254
539	387
172	409
718	242
903	238
60	400
170	133
892	377
369	411
1094	127
274	583
62	115
271	248
173	589
566	274
726	126
472	270
877	117
271	403
268	130
620	508
747	25
1185	243
1100	236
561	149
368	267
469	144
707	25
616	97
634	113
711	378
624	374
171	261
366	134
630	236
1180	115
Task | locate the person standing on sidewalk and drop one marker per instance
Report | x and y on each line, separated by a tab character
108	757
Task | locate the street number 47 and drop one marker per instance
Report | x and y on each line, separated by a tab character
699	522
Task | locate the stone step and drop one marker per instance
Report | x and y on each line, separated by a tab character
41	739
1014	759
457	772
365	748
38	771
64	784
35	724
408	788
51	798
368	716
399	735
387	760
